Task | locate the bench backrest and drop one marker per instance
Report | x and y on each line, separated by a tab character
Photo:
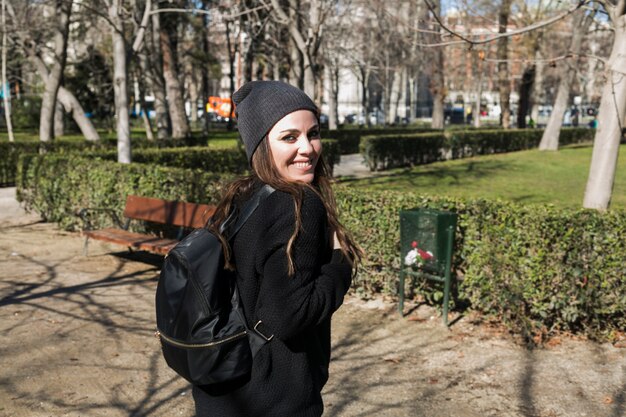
176	213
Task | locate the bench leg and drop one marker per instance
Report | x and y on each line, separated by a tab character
85	246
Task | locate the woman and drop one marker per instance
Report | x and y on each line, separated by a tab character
293	259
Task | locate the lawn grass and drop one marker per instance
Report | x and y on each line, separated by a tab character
529	177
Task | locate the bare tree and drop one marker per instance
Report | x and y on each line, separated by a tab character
27	42
307	38
6	93
61	10
504	84
168	32
437	80
610	117
568	69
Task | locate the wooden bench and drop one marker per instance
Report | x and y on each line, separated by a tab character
174	213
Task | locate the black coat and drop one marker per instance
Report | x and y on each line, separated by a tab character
289	372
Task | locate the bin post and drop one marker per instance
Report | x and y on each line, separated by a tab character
428	234
448	273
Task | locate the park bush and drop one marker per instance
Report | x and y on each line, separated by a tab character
167	153
393	150
536	269
349	139
57	186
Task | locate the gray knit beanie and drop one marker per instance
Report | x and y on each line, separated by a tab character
260	104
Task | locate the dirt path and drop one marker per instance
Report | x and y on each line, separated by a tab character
76	339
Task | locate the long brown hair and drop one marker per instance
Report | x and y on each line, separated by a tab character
264	170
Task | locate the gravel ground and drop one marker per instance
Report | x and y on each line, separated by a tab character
76	339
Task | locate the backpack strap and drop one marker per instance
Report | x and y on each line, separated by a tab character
257	335
245	212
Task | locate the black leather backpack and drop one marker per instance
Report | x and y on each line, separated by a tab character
200	322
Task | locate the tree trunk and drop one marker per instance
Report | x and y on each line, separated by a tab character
610	124
232	53
176	104
538	95
120	85
206	32
308	76
6	92
59	123
412	99
479	94
193	98
550	137
525	90
333	95
156	83
437	81
69	101
503	69
141	97
61	16
394	99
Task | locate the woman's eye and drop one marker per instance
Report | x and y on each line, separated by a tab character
314	134
289	138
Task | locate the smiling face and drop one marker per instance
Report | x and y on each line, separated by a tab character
295	144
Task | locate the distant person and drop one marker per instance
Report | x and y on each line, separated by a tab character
593	123
293	259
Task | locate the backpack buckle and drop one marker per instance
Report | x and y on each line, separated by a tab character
256	329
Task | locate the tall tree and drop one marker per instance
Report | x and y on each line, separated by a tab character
6	92
306	37
60	10
120	80
169	43
27	41
610	117
568	69
156	82
504	84
437	78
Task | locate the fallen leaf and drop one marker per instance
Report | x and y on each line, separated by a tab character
555	341
415	318
391	358
607	400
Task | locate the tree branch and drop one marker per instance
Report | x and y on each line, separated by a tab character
466	40
201	11
142	26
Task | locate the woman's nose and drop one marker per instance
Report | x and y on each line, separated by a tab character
304	145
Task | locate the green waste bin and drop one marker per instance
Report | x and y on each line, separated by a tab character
426	245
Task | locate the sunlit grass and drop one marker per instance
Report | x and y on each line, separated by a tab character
557	178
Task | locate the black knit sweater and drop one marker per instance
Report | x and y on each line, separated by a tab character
289	372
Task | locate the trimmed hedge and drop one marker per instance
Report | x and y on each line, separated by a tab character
169	153
57	186
349	139
390	151
537	269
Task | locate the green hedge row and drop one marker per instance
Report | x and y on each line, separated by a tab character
537	269
58	186
231	160
10	152
392	150
349	139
